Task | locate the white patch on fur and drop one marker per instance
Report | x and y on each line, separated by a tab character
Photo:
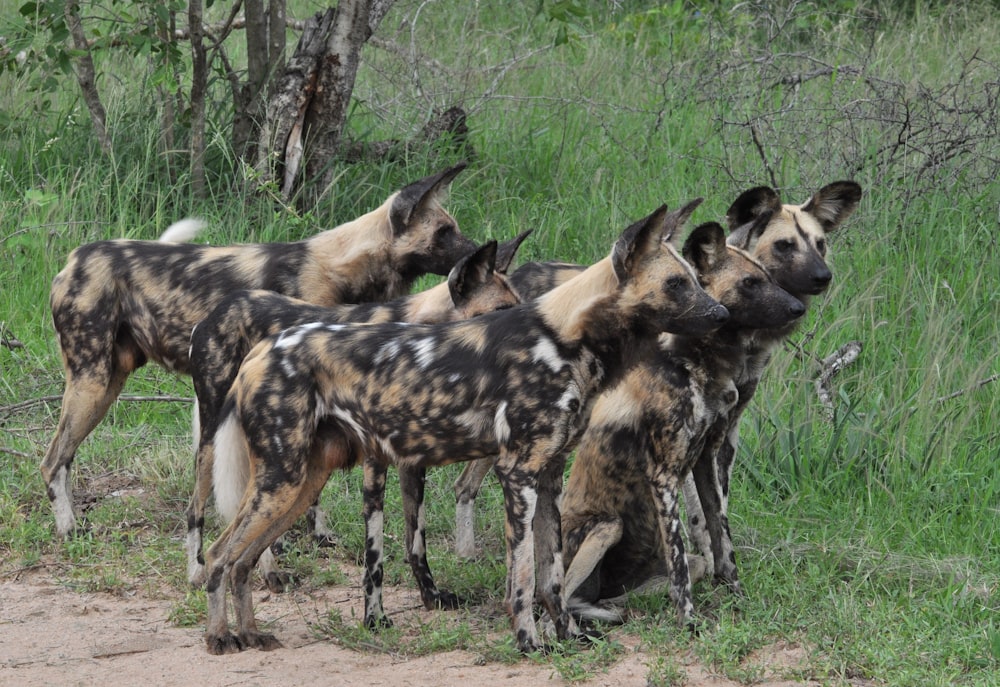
387	351
348	419
465	532
565	401
387	449
182	231
423	349
418	539
545	351
231	468
196	571
293	335
62	503
500	426
454	377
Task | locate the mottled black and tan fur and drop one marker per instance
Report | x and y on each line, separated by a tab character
793	248
119	304
219	343
519	383
620	510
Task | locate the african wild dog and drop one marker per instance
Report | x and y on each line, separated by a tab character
792	247
620	516
221	341
518	383
118	304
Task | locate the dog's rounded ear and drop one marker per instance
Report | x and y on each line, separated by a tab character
705	246
677	219
833	204
745	237
412	197
750	205
472	272
508	249
637	238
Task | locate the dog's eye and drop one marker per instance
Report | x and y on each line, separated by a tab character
784	246
750	282
821	246
442	232
676	283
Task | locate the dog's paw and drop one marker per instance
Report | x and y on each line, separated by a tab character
278	582
260	640
223	644
325	541
374	624
437	599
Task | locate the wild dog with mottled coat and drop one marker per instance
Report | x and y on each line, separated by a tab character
793	248
219	343
118	304
620	510
518	383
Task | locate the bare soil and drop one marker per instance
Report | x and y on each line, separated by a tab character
51	635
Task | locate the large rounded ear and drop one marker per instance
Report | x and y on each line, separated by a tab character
412	197
646	235
508	249
834	203
750	205
745	237
637	238
705	246
677	219
472	272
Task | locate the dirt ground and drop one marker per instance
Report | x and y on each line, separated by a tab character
50	635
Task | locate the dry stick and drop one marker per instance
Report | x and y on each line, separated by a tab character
955	394
831	365
48	399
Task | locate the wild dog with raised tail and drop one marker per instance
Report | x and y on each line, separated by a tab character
519	383
620	510
220	342
121	303
793	248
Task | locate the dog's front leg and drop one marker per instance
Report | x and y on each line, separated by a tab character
665	484
547	527
411	485
466	489
374	512
520	492
706	479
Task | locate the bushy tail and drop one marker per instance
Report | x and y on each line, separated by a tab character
182	231
603	612
231	466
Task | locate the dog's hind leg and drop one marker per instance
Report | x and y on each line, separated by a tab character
374	513
86	399
411	484
466	489
582	581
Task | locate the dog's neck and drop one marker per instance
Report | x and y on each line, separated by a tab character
360	249
585	311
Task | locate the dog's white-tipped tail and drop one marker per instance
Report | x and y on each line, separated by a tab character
583	610
182	231
230	468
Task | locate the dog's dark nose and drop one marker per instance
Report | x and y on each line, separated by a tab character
796	309
821	278
719	314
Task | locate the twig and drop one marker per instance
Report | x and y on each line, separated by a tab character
14	407
831	365
955	394
14	452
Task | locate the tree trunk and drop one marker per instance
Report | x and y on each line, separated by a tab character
199	82
85	76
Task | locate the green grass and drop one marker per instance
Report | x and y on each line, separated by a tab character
869	541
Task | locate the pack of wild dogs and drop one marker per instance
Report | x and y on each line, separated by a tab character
312	356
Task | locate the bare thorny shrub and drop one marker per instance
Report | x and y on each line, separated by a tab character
783	94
